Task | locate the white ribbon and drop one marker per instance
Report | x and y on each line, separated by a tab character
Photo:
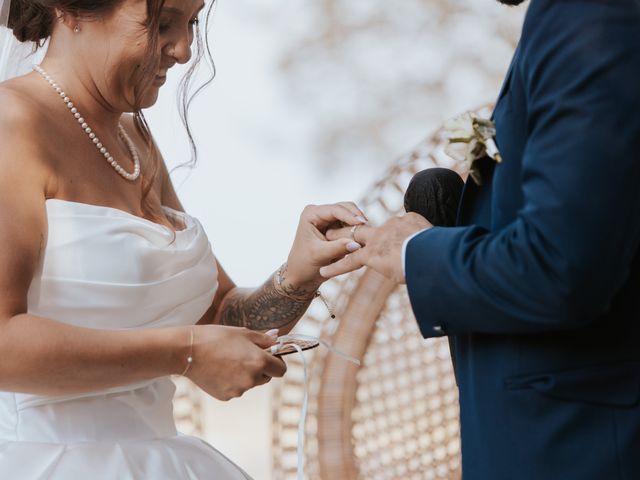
290	340
285	339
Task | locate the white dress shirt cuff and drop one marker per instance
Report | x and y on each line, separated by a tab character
404	250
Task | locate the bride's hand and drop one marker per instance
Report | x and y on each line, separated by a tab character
228	361
311	250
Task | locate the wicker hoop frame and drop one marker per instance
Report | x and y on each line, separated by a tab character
396	416
188	403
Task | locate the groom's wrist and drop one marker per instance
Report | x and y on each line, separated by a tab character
403	256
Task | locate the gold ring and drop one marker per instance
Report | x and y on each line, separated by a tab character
353	233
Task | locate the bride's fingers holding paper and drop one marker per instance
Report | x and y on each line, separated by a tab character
267	364
228	361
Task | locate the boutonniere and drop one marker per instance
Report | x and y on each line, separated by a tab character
471	138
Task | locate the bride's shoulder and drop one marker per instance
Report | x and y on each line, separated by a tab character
20	122
20	112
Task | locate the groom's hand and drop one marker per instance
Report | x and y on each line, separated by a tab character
381	247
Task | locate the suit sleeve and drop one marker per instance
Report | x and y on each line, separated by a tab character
560	263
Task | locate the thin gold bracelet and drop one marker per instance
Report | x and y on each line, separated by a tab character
190	357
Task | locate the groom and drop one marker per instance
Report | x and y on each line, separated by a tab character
539	285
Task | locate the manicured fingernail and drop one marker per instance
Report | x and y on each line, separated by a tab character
361	219
274	348
323	271
352	247
272	333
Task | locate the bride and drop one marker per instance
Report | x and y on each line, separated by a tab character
108	286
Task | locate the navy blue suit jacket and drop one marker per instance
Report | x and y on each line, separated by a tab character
539	286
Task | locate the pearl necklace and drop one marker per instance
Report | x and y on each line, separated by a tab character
96	141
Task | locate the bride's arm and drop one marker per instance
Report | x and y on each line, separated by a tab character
45	357
278	303
285	296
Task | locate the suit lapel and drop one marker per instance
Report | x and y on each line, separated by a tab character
470	190
507	79
470	211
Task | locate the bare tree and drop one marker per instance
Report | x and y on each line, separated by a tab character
373	77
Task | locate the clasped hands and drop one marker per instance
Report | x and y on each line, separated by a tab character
336	239
381	246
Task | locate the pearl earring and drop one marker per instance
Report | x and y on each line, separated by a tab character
76	29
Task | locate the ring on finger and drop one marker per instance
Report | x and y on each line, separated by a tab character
353	233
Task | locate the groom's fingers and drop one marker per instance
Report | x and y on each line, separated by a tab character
337	248
362	234
348	264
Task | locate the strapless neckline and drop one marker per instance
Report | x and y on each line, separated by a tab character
186	219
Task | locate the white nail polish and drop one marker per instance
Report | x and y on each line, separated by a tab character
361	219
272	333
353	246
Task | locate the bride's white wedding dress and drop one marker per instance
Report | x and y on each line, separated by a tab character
105	268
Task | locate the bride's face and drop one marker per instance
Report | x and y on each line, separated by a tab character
115	50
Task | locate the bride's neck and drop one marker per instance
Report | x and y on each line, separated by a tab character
80	87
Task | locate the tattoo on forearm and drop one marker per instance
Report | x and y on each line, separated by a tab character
269	306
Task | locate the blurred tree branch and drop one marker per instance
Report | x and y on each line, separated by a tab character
373	77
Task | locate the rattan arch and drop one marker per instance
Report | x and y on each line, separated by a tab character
396	416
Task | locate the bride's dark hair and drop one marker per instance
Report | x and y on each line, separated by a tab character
32	20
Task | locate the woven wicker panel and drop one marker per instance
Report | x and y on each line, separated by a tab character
187	407
395	417
405	423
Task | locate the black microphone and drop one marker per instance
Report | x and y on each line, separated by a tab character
435	194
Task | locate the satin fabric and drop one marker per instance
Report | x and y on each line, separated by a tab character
108	269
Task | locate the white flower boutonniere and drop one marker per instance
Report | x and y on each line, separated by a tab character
471	138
